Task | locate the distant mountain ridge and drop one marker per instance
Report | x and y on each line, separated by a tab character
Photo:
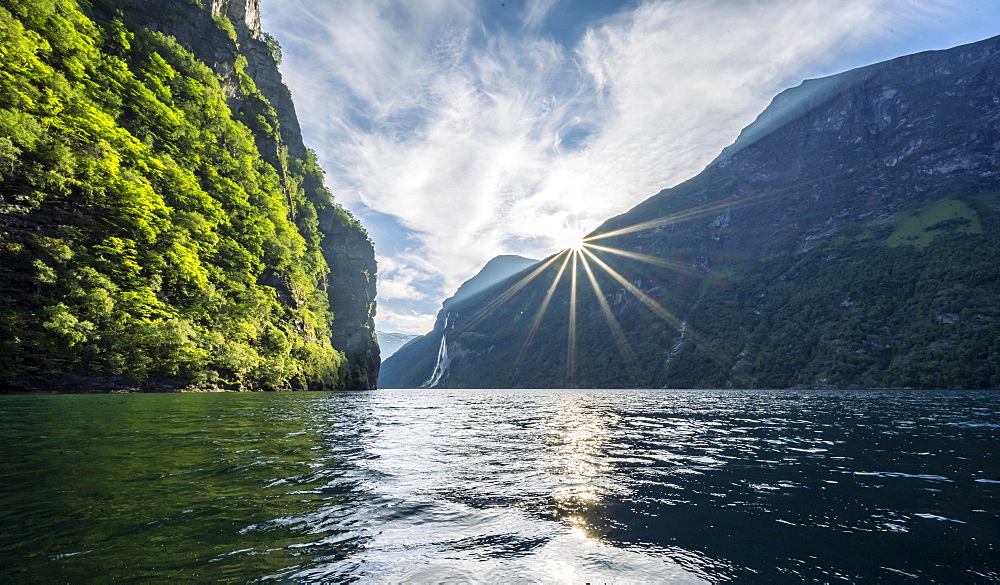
389	343
847	238
496	270
398	372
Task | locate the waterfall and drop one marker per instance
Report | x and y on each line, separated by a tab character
677	346
441	366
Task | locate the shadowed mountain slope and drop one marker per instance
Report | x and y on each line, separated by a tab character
409	363
847	238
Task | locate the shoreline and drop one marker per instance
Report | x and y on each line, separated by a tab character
217	390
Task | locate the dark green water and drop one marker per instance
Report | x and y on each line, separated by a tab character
537	486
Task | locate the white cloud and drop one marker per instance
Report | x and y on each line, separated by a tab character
676	82
396	280
481	142
404	321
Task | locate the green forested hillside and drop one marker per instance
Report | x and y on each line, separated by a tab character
143	237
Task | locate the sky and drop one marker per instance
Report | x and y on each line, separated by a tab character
459	130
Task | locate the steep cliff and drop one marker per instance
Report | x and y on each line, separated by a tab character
218	33
847	238
180	196
351	294
223	37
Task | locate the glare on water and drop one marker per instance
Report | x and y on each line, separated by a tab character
502	485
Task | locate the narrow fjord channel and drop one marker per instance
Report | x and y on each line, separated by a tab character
502	485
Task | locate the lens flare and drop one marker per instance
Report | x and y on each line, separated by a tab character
581	253
570	238
571	348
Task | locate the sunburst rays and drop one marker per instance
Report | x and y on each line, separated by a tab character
667	220
577	258
628	356
571	342
585	255
541	310
510	292
726	203
671	264
645	299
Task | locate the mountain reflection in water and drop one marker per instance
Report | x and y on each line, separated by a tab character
502	485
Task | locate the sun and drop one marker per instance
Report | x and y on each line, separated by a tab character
581	259
572	242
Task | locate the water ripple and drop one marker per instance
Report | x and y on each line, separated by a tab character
503	485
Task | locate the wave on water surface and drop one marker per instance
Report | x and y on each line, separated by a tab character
503	485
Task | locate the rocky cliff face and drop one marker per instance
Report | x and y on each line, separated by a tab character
852	147
226	35
847	238
202	30
351	291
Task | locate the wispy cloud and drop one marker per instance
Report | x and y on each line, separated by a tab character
481	139
535	11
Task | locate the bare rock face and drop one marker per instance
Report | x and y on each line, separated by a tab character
351	292
245	15
263	69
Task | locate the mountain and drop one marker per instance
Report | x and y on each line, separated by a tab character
414	364
389	343
162	224
848	238
494	271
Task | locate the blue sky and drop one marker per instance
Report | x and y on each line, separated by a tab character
457	130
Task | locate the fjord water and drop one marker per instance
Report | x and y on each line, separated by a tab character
502	485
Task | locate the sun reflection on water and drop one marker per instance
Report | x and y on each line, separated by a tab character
581	468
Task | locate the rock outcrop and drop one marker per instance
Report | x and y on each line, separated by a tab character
351	291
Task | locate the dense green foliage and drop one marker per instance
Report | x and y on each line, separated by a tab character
143	234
